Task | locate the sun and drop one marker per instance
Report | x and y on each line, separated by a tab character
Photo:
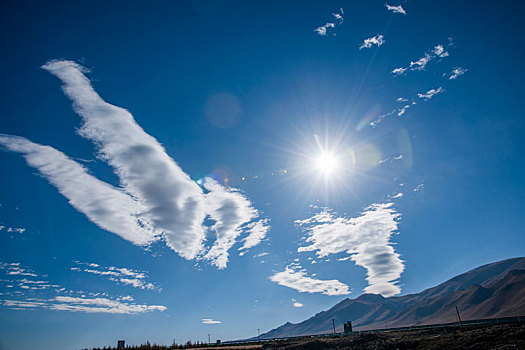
326	163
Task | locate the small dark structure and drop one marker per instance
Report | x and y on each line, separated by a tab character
121	344
218	342
348	327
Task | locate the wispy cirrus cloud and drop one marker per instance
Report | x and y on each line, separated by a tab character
82	304
431	93
396	9
366	238
328	27
26	290
296	278
121	275
156	199
377	40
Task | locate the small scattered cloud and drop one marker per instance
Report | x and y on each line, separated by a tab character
366	238
398	195
399	71
375	40
295	303
456	72
13	229
396	9
328	27
421	63
210	321
419	187
431	93
439	51
296	278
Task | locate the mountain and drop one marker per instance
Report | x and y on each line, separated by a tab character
492	290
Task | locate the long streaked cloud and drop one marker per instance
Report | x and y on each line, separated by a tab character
365	238
396	9
121	275
296	278
431	93
156	199
82	304
377	40
328	27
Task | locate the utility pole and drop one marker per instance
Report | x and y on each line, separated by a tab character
209	341
259	333
459	317
333	324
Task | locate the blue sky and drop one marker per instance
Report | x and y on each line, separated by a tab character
174	169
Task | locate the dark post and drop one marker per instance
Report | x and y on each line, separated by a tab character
259	333
209	341
333	324
459	318
121	344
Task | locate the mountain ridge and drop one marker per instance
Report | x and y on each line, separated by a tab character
492	290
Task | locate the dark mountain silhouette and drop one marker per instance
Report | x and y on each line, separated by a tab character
492	290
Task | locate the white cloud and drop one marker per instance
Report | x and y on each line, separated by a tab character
230	210
324	29
402	110
366	238
401	99
105	205
399	71
295	303
439	51
210	321
419	187
120	275
396	9
398	195
83	304
257	231
294	277
421	63
156	198
14	269
13	229
24	291
456	72
431	93
375	40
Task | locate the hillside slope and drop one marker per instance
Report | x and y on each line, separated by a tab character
492	290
